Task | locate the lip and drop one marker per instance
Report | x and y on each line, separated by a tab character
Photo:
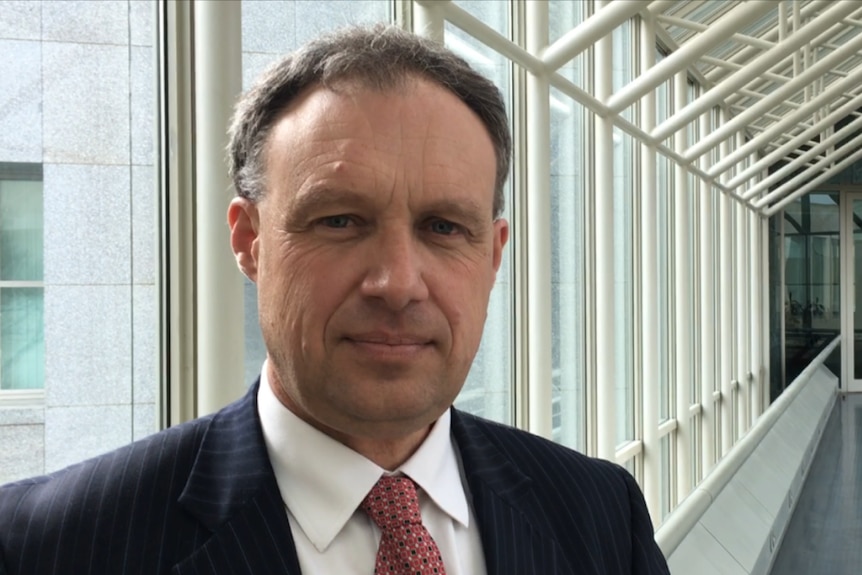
389	339
388	345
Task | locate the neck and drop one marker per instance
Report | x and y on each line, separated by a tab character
388	454
388	451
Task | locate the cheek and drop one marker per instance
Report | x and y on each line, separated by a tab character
463	298
310	288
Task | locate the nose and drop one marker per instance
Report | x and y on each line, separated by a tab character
395	270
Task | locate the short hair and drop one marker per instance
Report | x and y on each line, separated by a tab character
379	57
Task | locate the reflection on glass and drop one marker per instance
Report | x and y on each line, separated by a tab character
811	279
857	279
22	333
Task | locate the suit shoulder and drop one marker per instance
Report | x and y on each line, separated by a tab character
538	456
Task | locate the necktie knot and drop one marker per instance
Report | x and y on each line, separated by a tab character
393	502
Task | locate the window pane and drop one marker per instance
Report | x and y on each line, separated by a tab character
567	205
22	340
811	266
494	13
20	229
666	479
488	390
624	198
568	182
664	192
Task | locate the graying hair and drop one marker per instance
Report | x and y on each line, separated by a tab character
379	57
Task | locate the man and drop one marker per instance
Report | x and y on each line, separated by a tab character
369	169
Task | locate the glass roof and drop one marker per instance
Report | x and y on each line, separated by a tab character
799	85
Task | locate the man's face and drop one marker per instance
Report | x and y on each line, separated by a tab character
374	252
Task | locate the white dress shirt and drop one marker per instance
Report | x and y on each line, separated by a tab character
322	483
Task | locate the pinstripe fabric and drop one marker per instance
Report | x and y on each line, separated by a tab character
197	498
545	509
201	498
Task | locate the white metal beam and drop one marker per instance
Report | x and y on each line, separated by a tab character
801	12
807	111
794	182
588	32
176	276
758	280
659	6
579	95
825	23
681	302
539	241
701	27
798	162
650	371
725	327
743	315
428	20
689	53
708	305
459	17
219	313
733	67
834	170
803	80
603	227
790	148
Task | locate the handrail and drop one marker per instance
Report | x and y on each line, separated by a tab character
683	519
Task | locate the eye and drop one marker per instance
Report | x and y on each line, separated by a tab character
339	221
443	227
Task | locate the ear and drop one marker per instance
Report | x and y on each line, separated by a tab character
501	236
244	221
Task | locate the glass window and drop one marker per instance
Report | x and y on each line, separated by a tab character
664	192
22	336
568	182
667	489
489	391
494	13
624	200
811	280
694	261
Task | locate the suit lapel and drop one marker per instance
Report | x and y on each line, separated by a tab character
513	539
232	491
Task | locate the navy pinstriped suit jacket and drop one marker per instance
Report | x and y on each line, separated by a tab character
201	498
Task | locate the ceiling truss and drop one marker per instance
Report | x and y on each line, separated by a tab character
786	73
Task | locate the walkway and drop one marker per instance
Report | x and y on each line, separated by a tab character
825	533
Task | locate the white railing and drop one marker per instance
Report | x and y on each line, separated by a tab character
686	515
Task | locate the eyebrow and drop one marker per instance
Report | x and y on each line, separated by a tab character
465	210
311	200
316	198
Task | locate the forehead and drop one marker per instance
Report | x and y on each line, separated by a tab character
417	131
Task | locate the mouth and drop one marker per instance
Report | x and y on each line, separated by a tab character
389	344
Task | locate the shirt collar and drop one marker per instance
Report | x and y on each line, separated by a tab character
323	482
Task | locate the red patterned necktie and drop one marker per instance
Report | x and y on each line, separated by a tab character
406	547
